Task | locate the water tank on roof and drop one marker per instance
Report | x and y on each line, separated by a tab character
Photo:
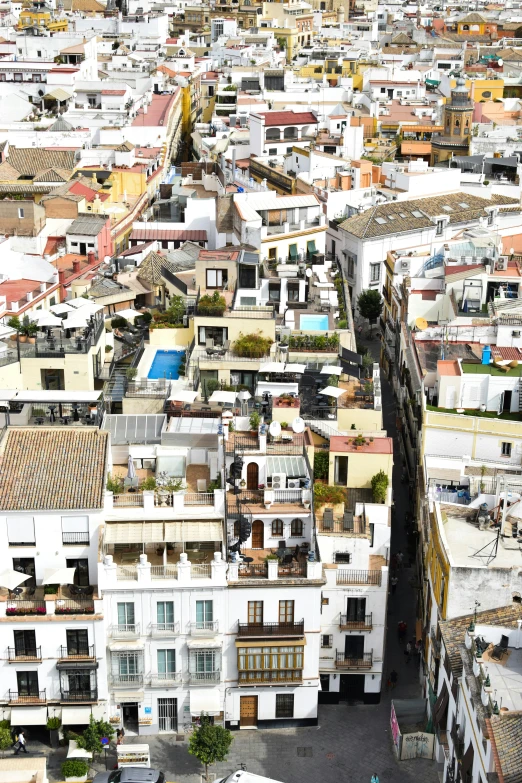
486	355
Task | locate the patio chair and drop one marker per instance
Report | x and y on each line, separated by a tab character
226	345
281	544
328	519
348	520
209	342
500	649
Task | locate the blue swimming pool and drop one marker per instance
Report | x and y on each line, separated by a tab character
313	323
166	365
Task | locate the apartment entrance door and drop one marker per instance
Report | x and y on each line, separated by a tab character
252	475
248	711
258	534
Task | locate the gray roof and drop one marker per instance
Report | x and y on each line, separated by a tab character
89	225
142	428
60	125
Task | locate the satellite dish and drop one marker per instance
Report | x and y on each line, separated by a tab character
275	429
298	424
421	324
500	62
309	272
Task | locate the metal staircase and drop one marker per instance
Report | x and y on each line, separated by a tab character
323	429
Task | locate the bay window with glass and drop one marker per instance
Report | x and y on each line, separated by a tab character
270	664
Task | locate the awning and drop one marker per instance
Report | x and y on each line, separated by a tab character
294	467
272	367
333	391
134	532
183	395
205	700
292	251
295	368
441	705
223	396
351	356
204	644
310	246
193	531
330	369
433	82
28	716
122	697
132	645
72	715
58	94
77	665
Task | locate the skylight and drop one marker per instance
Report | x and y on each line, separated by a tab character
380	220
416	213
464	205
447	208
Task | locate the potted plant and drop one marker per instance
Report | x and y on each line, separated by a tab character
284	425
255	420
358	442
75	771
53	724
14	323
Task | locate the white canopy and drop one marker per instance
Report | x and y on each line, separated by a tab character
29	716
330	369
45	395
128	314
45	318
333	391
183	395
223	396
12	579
76	321
61	307
85	304
272	367
59	576
204	700
298	368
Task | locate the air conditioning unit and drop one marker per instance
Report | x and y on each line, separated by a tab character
279	481
515	334
185	320
502	263
149	464
293	483
405	266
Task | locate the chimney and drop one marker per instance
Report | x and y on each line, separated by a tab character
61	282
91	257
76	267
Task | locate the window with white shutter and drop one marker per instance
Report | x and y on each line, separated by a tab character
20	531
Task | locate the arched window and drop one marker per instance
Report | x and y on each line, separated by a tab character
277	527
290	133
274	134
296	528
486	94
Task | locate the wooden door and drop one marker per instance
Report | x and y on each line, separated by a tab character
252	475
258	535
248	711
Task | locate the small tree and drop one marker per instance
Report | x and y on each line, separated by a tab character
370	303
5	740
209	743
379	486
91	738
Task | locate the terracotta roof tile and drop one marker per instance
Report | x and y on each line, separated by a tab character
53	468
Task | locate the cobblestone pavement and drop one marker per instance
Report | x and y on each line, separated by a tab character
351	742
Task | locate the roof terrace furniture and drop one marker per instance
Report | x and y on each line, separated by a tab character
500	649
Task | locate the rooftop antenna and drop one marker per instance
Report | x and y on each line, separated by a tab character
488	552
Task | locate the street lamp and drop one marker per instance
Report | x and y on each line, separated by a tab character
471	626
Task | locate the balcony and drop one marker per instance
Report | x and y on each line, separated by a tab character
165	679
27	697
435	642
24	654
79	696
347	576
204	678
204	628
18	608
75	539
270	629
77	654
75	606
160	630
126	680
270	677
354	527
361	624
342	661
127	631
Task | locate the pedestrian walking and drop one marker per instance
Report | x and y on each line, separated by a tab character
401	630
120	736
21	743
375	778
393	581
399	557
407	652
392	679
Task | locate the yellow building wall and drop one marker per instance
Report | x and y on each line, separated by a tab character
237	326
134	183
478	87
168	338
438	566
78	370
366	420
361	467
11	376
282	242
